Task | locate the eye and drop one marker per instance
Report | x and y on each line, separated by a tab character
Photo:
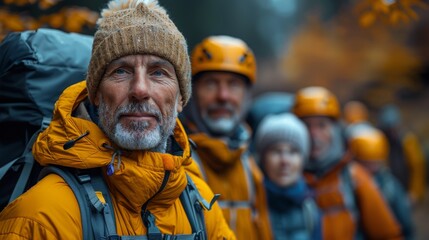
208	84
158	73
294	151
119	71
236	85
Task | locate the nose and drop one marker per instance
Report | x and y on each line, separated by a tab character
139	86
313	130
284	157
224	92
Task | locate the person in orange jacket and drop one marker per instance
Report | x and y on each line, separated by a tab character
406	159
352	206
123	121
224	69
370	148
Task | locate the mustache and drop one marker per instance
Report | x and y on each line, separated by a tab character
144	107
224	106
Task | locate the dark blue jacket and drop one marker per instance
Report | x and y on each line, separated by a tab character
293	212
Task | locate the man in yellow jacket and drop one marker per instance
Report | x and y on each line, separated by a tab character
351	204
224	69
123	121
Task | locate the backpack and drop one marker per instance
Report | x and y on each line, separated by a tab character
98	220
36	66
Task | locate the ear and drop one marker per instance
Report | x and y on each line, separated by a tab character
179	104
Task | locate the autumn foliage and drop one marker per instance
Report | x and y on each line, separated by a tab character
388	12
70	18
351	52
364	53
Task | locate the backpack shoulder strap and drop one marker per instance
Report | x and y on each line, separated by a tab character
197	160
194	204
97	217
245	158
310	212
27	160
348	189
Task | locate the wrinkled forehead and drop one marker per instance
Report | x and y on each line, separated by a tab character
142	59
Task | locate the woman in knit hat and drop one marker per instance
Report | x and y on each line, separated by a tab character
282	147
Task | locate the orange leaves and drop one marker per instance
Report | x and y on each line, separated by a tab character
19	2
71	19
345	58
367	19
43	4
10	22
388	12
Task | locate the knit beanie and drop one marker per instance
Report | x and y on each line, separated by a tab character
284	127
128	27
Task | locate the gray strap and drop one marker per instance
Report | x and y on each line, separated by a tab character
153	232
194	204
28	161
25	173
183	237
310	210
348	188
6	167
234	204
250	182
97	207
197	160
108	212
127	238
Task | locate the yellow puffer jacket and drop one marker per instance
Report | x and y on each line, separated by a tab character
224	171
49	210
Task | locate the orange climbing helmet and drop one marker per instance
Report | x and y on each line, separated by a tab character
370	145
224	53
355	112
316	101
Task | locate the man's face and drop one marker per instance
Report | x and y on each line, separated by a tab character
320	130
283	164
221	99
138	100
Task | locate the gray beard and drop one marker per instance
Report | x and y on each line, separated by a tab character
137	136
223	126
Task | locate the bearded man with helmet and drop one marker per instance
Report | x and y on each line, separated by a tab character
223	72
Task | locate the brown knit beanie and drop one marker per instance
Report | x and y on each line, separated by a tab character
128	27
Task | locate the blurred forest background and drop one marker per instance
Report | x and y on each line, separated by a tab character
374	51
